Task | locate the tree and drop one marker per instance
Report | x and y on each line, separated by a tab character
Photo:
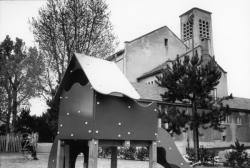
65	27
19	77
27	123
191	81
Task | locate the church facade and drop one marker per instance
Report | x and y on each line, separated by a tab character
143	58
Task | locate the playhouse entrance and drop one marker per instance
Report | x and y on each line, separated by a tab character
106	154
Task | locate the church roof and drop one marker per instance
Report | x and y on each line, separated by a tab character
149	92
153	93
111	57
155	71
118	53
238	103
163	27
159	68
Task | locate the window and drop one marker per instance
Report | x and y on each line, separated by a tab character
238	120
187	31
204	29
166	42
227	120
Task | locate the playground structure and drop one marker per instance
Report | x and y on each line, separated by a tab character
98	107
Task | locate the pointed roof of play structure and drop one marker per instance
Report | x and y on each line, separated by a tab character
105	77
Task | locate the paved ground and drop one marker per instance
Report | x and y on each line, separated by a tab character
16	160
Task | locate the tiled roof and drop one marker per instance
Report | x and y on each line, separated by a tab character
158	69
238	103
154	71
118	53
150	92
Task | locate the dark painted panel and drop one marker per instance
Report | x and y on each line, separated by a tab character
76	113
122	118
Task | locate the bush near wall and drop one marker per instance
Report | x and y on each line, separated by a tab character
206	156
127	153
238	157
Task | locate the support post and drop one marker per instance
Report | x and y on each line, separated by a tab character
66	156
114	157
85	163
153	154
93	153
59	155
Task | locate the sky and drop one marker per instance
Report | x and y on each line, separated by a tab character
133	18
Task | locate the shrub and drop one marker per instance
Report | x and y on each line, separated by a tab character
129	153
142	153
206	156
104	152
238	157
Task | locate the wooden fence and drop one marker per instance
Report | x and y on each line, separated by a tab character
10	143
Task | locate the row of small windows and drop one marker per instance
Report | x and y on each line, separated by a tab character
228	120
151	82
204	29
187	31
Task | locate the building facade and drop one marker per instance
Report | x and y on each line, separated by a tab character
143	58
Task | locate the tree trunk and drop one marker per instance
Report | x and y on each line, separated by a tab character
195	131
7	128
14	110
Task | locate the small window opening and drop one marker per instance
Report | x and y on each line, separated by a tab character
166	42
238	120
227	120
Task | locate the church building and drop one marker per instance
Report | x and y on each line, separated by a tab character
143	58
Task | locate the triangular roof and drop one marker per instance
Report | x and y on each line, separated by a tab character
111	57
104	77
163	27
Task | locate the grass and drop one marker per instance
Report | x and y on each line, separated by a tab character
14	160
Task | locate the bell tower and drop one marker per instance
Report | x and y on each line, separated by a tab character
196	26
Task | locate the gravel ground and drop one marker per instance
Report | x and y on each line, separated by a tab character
17	160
